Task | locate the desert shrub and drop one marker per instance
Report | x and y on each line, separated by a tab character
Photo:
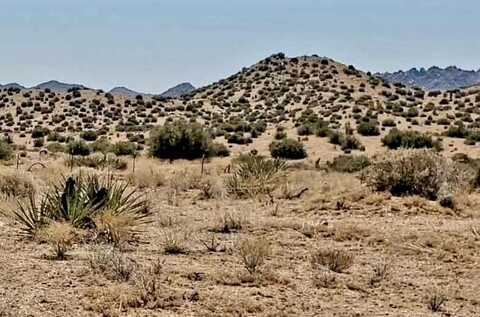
111	263
218	149
39	132
179	140
253	253
38	142
410	139
101	145
122	148
417	172
97	162
368	128
288	149
6	151
60	236
16	185
78	148
333	259
79	201
56	147
254	176
389	122
457	131
89	135
349	163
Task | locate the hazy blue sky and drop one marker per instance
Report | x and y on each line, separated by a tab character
151	45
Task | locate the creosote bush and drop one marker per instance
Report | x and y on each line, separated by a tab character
418	172
349	163
6	151
182	140
288	149
78	148
396	139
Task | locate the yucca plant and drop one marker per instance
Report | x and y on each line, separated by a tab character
29	214
80	200
255	175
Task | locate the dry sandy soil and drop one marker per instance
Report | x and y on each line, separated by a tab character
405	252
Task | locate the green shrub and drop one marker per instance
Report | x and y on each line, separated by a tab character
122	148
56	147
38	142
369	128
410	139
39	132
389	122
418	172
78	148
101	145
179	140
288	149
89	135
6	151
349	163
218	149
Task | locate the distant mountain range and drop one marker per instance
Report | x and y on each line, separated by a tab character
57	86
174	92
434	78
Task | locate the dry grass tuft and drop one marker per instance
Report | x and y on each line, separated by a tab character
113	264
60	236
175	241
335	260
436	300
253	253
16	184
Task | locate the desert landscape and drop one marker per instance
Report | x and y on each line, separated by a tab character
298	186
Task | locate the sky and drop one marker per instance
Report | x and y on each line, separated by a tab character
151	45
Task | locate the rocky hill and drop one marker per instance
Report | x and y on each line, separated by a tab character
299	94
435	78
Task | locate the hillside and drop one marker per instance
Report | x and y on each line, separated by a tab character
295	93
435	78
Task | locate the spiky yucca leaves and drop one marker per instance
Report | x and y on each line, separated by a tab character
82	200
254	176
29	214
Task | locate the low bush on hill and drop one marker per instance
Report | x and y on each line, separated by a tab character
181	140
396	139
349	163
418	172
288	149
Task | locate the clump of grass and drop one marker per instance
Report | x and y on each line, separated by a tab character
59	235
325	279
335	260
112	263
175	241
436	300
16	185
229	222
253	253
